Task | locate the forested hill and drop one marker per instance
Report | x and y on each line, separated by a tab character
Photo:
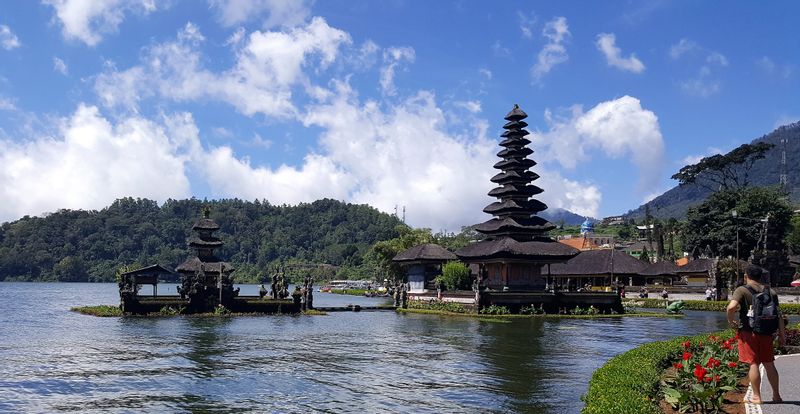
90	245
764	172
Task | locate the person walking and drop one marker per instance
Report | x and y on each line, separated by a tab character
709	293
757	321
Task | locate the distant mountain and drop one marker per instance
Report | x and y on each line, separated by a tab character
765	172
561	216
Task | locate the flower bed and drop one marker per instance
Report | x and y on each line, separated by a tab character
629	382
702	305
707	369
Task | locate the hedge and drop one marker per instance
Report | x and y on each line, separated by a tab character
702	305
629	382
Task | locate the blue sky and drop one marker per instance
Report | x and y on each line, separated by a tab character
390	103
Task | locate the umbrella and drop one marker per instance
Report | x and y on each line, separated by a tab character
796	282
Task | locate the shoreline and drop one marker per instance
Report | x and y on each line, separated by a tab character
539	316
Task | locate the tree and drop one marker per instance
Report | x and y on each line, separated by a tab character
645	257
455	276
728	172
382	253
762	221
793	236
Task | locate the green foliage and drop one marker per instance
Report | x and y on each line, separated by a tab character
629	382
436	305
706	370
221	310
382	253
793	236
712	224
90	245
532	310
167	310
495	310
591	310
99	310
455	276
701	305
729	171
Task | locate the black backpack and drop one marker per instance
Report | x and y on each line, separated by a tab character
765	312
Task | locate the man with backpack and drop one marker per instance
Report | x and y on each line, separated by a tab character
759	318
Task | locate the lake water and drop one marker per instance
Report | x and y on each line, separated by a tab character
54	360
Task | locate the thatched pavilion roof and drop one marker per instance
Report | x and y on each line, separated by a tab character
425	253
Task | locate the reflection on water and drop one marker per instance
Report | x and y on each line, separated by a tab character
58	361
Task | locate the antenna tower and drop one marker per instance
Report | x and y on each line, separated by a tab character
404	214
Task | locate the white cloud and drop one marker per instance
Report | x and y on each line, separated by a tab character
471	106
259	141
267	66
683	46
526	24
554	52
500	50
619	128
486	73
7	104
694	159
88	21
393	58
717	58
606	43
7	38
280	13
92	162
702	86
366	55
60	67
771	68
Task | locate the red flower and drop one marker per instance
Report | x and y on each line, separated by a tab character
699	372
707	379
727	345
712	338
678	365
733	364
716	378
687	344
712	363
686	355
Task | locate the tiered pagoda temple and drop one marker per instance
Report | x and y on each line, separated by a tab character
205	279
206	283
513	261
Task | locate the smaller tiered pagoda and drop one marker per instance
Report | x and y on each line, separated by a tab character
205	279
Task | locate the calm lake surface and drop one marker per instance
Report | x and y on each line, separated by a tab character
54	360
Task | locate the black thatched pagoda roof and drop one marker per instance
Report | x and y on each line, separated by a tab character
211	265
205	224
599	262
515	231
541	250
425	253
664	267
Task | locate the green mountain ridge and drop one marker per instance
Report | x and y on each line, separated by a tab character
675	202
79	245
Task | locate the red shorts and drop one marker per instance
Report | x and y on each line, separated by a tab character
755	348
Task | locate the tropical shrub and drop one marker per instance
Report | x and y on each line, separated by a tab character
455	275
438	306
495	310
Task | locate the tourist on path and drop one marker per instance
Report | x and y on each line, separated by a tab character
709	293
755	348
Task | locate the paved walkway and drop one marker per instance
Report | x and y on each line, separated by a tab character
789	371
